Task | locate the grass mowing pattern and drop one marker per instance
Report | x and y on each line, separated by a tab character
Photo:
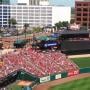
82	84
82	62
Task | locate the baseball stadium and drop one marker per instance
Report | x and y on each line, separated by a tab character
58	61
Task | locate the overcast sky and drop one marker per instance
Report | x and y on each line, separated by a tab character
55	2
63	2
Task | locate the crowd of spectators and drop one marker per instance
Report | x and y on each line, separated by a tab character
35	62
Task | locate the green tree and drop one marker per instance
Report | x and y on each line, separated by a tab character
26	25
12	22
36	30
0	33
58	25
65	23
72	21
61	24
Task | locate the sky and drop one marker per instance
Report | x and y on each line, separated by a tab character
63	2
57	2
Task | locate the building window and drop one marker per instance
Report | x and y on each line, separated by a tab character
37	17
4	10
84	19
25	8
13	7
89	24
49	17
78	4
4	16
4	22
4	13
37	8
84	24
78	9
85	14
18	11
4	25
0	23
78	14
85	4
0	16
78	19
4	7
85	9
19	7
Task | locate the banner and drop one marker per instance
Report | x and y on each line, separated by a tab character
58	76
44	79
72	73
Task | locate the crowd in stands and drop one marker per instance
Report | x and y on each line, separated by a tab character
35	62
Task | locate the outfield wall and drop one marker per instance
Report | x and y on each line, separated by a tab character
23	75
58	76
64	75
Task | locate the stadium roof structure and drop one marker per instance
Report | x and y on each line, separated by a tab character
66	32
46	38
20	41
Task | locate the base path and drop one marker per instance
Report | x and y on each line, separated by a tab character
46	86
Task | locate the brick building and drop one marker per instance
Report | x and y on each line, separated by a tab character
82	12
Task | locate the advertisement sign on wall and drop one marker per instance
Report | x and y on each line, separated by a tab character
58	76
72	73
44	79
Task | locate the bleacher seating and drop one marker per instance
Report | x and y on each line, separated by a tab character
36	63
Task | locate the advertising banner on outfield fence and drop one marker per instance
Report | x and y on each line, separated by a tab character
58	76
44	79
72	73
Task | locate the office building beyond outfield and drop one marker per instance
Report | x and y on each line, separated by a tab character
35	16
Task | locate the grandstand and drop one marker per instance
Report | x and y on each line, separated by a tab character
37	63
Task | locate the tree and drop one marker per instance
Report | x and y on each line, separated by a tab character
72	21
26	25
65	23
12	22
37	29
58	25
0	33
61	24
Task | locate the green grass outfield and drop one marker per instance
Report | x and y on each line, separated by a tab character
82	62
82	84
